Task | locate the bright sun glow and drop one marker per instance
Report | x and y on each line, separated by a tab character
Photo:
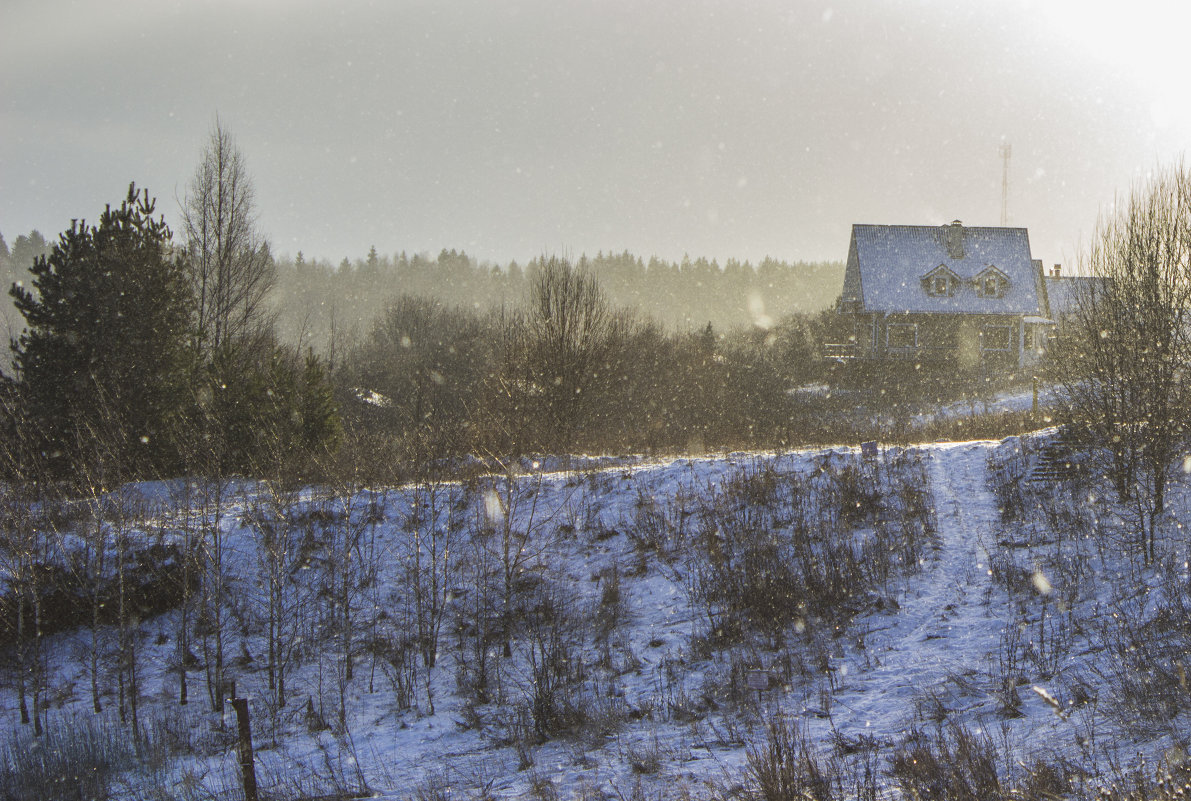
1143	42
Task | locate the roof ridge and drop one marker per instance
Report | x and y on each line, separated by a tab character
924	226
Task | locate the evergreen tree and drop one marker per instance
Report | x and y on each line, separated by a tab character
27	249
101	364
707	342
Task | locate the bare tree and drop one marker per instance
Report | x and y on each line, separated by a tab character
1123	365
571	330
22	551
432	527
125	510
186	529
211	503
231	267
279	516
231	272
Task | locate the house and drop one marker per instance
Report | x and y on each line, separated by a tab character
1063	293
969	296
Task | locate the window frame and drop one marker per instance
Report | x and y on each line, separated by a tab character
941	282
890	328
991	283
985	330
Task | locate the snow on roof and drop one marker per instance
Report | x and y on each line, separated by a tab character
1062	291
890	261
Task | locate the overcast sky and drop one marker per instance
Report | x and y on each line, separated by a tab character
511	129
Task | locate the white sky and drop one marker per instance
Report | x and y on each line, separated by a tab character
510	129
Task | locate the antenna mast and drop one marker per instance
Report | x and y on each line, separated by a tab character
1006	152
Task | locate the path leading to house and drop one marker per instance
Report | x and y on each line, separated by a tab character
932	650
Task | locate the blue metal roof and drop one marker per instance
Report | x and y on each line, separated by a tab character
889	262
1063	291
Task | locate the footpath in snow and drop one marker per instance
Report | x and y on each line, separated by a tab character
922	656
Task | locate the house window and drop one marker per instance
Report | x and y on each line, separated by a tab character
940	282
991	284
996	337
902	335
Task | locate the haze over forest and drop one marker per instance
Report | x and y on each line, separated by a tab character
315	301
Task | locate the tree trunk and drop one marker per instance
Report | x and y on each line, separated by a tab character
23	657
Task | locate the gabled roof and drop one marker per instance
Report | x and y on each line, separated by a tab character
942	268
992	269
887	262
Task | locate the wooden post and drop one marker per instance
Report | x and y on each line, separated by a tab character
247	766
758	680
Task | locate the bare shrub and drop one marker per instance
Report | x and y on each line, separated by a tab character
1145	783
396	652
611	611
1008	467
658	527
780	551
645	758
953	763
758	485
1045	780
745	580
786	766
74	760
1009	675
1148	672
859	496
558	698
435	787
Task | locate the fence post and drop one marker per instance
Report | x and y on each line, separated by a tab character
247	766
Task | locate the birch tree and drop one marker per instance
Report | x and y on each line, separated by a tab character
230	265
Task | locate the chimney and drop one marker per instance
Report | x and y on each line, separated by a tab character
955	239
1057	270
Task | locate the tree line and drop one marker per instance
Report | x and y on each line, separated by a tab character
566	370
140	352
327	305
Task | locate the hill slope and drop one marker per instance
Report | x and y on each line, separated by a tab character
644	627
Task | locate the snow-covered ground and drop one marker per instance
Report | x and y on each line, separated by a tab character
937	646
1011	400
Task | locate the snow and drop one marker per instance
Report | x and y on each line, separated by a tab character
1010	400
934	649
942	620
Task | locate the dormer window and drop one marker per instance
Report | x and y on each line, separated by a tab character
940	282
991	283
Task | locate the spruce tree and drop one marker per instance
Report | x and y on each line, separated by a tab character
101	366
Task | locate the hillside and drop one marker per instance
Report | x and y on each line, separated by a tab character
645	629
